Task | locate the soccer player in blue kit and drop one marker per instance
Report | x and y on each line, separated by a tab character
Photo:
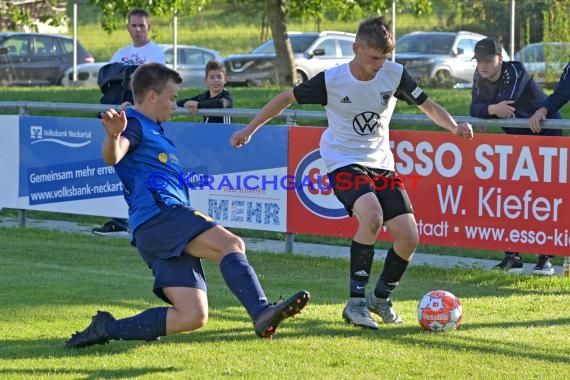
169	234
359	98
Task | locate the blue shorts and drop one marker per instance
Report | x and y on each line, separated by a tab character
161	241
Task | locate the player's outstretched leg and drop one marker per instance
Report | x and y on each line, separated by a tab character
95	333
266	324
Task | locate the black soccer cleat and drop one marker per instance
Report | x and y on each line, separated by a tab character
95	333
266	324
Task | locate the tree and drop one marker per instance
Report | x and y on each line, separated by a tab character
18	14
114	8
286	72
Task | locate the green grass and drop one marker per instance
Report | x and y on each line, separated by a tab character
52	282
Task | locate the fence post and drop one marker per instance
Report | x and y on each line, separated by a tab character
22	110
289	240
289	237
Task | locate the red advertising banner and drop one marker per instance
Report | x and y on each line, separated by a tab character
499	192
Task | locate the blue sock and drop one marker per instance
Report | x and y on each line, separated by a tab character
148	325
243	282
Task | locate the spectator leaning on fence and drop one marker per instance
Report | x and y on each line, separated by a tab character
363	93
215	97
506	90
142	50
554	102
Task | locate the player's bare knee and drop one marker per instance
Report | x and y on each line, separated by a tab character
233	243
194	320
374	223
409	242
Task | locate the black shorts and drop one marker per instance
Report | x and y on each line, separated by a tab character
352	181
161	241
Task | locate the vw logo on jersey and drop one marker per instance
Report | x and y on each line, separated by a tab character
366	123
313	188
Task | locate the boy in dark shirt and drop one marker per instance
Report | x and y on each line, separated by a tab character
215	97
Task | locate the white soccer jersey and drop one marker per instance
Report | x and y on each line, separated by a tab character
132	55
359	113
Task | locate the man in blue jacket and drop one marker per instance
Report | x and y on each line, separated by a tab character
506	90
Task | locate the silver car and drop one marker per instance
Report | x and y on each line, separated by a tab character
191	63
439	59
312	52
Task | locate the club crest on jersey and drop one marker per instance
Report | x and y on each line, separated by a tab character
366	123
385	97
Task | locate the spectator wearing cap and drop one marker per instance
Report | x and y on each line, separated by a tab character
506	90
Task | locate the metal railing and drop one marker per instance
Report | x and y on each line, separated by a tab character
290	116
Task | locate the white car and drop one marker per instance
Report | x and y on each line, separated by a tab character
312	52
545	60
191	65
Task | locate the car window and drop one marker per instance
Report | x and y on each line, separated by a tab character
17	45
346	48
329	47
198	57
468	46
67	46
169	54
46	46
299	43
533	53
556	51
425	43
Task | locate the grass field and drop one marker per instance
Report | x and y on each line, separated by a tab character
514	326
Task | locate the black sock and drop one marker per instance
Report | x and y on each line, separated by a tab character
361	256
394	269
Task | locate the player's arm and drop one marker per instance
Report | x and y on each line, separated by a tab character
313	91
442	118
410	92
115	146
268	112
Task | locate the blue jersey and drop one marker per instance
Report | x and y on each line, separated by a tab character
150	171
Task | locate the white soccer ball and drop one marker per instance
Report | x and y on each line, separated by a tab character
439	310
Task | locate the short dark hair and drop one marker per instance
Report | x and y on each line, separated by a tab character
376	33
152	76
138	12
215	65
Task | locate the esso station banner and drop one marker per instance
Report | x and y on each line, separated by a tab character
500	192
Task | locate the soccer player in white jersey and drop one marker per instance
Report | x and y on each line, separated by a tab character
359	98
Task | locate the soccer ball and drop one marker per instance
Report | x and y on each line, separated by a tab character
439	310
